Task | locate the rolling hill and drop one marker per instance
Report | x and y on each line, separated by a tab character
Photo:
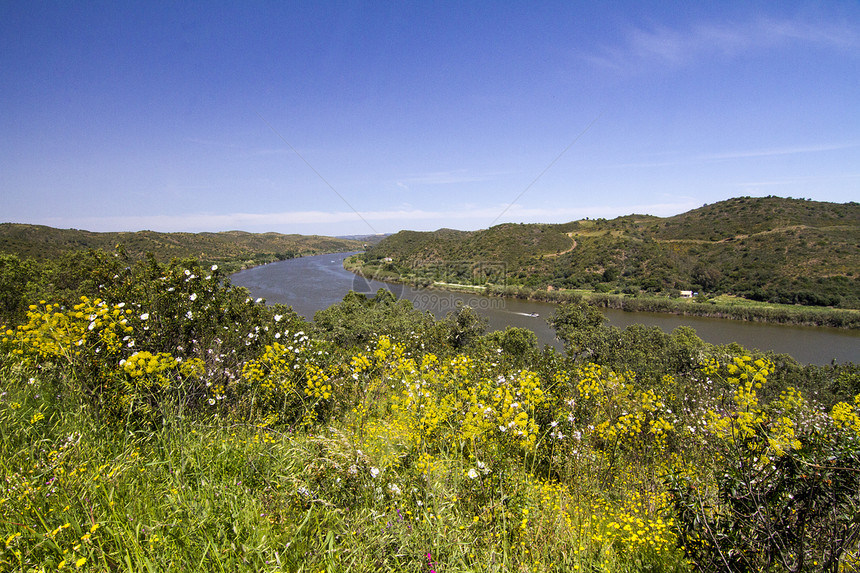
231	249
768	249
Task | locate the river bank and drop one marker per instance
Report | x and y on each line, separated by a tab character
718	307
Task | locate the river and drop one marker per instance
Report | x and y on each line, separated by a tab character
309	284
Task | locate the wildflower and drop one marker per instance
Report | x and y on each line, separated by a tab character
193	297
144	316
278	317
214	267
374	472
473	474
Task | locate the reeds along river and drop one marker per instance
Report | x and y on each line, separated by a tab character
310	284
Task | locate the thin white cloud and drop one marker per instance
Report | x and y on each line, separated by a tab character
212	142
798	180
677	47
743	154
464	217
678	159
446	178
272	151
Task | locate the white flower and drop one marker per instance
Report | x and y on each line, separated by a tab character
193	297
211	401
187	272
259	300
189	315
473	474
392	487
374	472
278	317
553	424
214	267
144	316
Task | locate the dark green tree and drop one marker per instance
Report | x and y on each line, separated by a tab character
579	325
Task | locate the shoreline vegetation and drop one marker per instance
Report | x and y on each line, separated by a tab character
724	306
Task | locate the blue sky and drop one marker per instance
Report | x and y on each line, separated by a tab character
348	117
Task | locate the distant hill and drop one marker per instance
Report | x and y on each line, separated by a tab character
365	239
233	249
771	248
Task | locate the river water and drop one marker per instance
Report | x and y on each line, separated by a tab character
309	284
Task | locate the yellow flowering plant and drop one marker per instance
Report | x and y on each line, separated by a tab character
785	480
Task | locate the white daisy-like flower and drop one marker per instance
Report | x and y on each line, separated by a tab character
473	473
374	472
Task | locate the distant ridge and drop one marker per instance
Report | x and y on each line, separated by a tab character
232	248
769	249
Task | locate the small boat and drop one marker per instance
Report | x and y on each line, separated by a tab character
534	315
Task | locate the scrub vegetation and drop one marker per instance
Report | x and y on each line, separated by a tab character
231	250
154	418
787	253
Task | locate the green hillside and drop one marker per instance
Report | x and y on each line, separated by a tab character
767	249
232	249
